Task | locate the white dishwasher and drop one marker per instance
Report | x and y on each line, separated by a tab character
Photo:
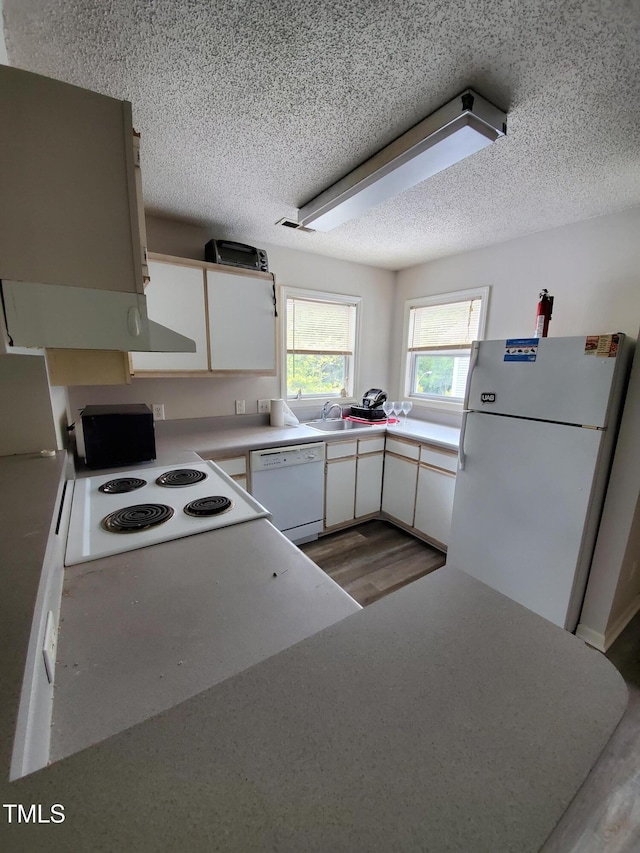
289	482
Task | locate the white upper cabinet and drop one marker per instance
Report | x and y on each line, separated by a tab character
175	297
68	207
229	315
72	256
242	324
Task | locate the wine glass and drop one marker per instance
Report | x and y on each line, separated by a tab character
407	405
396	408
387	406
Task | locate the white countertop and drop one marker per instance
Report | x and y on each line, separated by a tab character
444	716
144	630
203	436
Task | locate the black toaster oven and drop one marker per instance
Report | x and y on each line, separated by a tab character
236	255
118	435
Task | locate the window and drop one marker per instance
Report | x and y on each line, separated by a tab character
440	330
320	343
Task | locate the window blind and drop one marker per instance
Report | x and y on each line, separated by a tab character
450	325
320	327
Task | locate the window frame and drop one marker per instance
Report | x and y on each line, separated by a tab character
433	401
286	293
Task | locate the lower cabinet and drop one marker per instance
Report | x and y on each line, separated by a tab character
339	494
419	483
235	467
353	479
434	504
368	483
399	488
412	483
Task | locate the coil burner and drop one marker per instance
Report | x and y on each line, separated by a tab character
212	505
132	519
181	477
122	485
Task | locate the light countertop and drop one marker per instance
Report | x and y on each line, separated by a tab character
444	717
144	630
204	436
30	488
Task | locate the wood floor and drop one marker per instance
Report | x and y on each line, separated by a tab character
373	559
605	815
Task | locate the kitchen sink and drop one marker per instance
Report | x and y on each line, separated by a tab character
336	425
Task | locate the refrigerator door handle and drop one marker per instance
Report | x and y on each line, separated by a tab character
473	360
463	428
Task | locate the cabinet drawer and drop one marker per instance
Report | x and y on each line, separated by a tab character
338	449
439	458
403	448
371	445
234	466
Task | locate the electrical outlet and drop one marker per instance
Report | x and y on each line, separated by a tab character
158	411
264	406
239	407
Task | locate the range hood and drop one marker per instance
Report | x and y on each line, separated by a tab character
61	317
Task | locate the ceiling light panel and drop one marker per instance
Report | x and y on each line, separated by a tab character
461	127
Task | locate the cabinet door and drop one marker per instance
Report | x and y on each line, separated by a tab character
241	322
175	298
368	484
399	488
434	503
235	467
340	486
68	207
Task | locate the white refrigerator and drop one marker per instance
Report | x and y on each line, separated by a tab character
539	428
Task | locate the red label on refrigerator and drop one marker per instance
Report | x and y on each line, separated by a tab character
603	346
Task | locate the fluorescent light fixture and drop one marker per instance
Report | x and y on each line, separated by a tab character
460	128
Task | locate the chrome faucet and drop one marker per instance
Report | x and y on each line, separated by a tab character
326	409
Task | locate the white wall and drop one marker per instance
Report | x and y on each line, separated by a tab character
592	268
213	396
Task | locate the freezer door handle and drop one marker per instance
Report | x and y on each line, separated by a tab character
463	428
473	360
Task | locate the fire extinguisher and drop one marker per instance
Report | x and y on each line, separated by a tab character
543	314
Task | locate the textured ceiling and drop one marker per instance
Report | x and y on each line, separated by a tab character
249	109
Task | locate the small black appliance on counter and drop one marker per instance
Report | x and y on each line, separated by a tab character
118	435
371	408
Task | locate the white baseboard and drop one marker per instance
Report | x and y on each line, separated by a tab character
613	632
603	642
593	638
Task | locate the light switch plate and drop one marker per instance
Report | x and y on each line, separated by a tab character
50	645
